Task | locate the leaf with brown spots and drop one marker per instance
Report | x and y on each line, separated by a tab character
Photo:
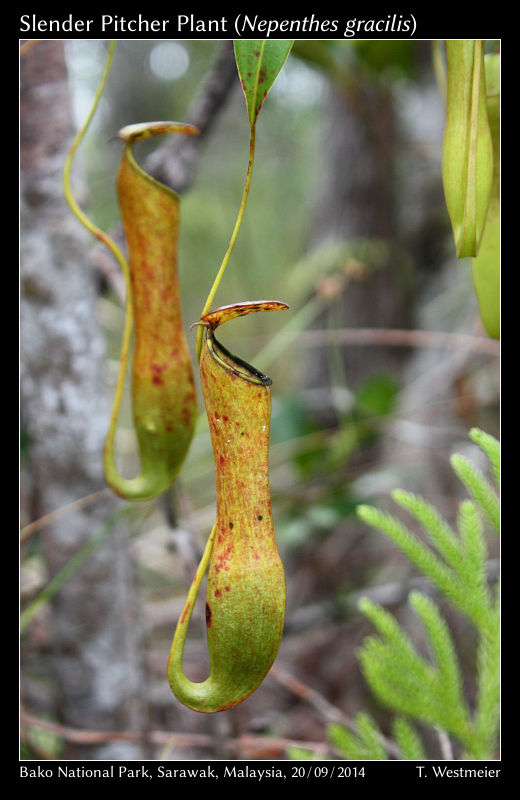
259	62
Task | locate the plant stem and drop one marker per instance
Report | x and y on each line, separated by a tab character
222	269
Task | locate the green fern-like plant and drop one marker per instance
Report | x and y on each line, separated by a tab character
430	690
365	745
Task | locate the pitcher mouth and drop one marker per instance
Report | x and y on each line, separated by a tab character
235	365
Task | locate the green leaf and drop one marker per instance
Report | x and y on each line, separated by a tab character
440	533
486	265
443	651
474	550
301	754
365	745
377	395
259	61
491	448
418	553
407	740
478	487
467	160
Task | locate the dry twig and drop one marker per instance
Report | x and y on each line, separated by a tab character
243	747
330	712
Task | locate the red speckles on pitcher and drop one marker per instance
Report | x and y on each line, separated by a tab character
246	583
163	395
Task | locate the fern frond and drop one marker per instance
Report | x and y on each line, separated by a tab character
371	737
391	678
394	651
399	690
407	740
430	694
400	682
473	562
296	753
365	745
389	628
416	551
488	685
491	448
478	487
449	685
440	533
344	741
473	545
431	691
444	578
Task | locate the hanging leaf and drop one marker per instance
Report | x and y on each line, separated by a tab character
486	265
259	61
467	160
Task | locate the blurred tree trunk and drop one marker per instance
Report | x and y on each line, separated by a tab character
359	201
94	621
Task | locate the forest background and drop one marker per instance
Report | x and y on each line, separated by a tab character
346	222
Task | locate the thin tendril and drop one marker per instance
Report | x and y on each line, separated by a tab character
112	246
177	648
232	241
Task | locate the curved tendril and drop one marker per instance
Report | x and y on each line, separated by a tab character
177	648
112	246
71	200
